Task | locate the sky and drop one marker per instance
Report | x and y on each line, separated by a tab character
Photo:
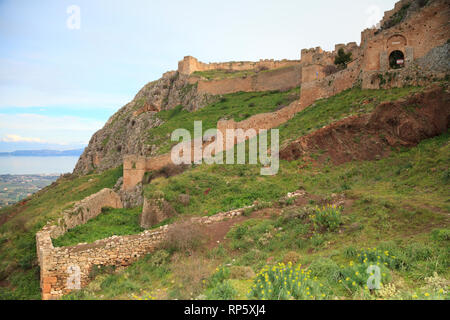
67	66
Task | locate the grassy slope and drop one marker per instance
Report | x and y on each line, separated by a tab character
397	205
235	186
237	106
18	263
111	222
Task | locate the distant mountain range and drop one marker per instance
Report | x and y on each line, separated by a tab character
43	153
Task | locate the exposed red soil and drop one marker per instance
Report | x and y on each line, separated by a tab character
405	122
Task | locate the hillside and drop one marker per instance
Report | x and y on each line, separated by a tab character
386	205
362	185
377	208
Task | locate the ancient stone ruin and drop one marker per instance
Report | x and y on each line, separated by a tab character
371	67
408	48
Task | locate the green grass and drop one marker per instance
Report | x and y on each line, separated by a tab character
402	198
238	106
398	204
18	261
235	186
110	222
414	177
230	187
350	102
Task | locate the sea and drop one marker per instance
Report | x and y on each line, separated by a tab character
17	165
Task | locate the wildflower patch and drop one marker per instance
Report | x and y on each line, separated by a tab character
286	282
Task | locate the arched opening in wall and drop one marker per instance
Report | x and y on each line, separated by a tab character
396	59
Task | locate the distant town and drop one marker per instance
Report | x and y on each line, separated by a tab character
14	188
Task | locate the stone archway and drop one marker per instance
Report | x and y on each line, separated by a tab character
396	51
396	59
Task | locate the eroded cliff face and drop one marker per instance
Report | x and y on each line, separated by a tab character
126	132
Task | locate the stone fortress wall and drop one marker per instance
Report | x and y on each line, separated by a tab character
424	30
51	260
416	37
64	269
190	65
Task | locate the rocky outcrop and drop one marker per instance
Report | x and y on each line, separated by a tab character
126	132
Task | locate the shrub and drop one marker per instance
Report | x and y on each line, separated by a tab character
284	282
159	258
325	268
440	235
328	218
219	276
241	272
378	256
262	68
355	276
342	58
223	291
292	257
182	236
330	69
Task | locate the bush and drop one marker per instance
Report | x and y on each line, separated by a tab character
328	218
325	268
355	276
292	257
342	58
440	235
284	282
378	256
330	69
223	291
182	236
241	272
219	276
159	258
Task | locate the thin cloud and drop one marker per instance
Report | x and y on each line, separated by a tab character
17	138
374	15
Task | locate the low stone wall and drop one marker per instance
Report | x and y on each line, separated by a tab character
135	167
66	269
80	213
84	210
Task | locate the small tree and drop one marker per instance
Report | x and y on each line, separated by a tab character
330	69
342	58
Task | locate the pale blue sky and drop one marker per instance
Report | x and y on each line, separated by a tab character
58	86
